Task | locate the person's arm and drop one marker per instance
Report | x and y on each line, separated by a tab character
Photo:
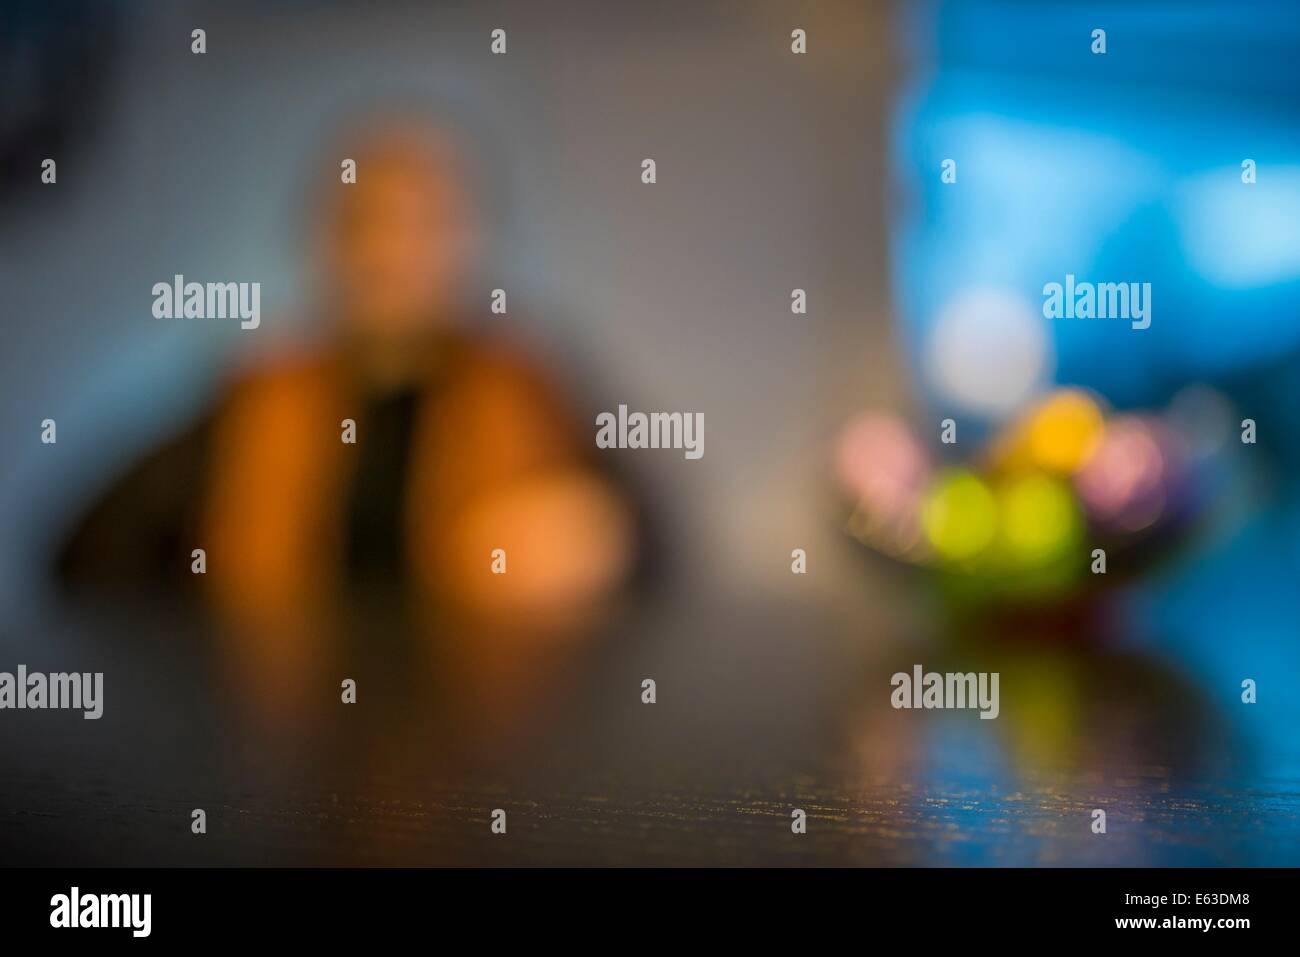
517	475
138	535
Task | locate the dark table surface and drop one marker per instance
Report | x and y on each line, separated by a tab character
787	713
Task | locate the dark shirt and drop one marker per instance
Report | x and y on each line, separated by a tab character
374	526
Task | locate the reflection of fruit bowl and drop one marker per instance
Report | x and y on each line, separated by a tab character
1104	713
1046	507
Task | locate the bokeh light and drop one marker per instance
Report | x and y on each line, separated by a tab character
1057	435
1039	519
1065	431
1203	417
960	515
987	352
1123	486
885	470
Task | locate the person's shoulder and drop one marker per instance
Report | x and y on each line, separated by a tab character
506	378
490	356
291	366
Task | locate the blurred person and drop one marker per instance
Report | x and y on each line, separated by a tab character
462	447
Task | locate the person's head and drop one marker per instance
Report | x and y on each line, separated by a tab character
396	246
